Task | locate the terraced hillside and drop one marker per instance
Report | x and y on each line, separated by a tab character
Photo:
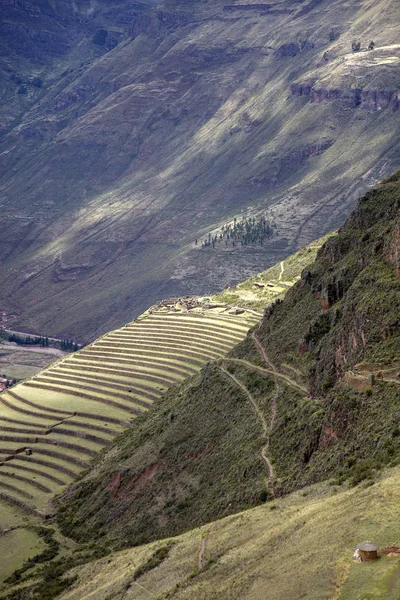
53	424
313	393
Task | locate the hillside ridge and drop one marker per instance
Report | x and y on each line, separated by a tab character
330	348
306	405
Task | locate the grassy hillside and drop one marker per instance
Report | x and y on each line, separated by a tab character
173	338
311	394
300	546
263	289
152	124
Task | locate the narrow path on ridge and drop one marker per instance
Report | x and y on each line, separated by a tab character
274	406
294	384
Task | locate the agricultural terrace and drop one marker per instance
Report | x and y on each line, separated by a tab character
54	423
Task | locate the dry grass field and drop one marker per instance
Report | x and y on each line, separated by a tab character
297	547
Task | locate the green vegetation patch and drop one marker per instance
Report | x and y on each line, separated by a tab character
199	457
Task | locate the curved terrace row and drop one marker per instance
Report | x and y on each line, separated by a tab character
53	424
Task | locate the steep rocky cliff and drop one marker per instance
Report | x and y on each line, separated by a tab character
130	130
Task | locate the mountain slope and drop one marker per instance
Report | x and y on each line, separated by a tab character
301	549
72	410
113	164
312	393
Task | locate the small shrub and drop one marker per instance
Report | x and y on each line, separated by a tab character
154	561
362	471
328	384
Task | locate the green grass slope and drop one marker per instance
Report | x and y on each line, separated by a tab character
300	417
263	289
311	394
300	546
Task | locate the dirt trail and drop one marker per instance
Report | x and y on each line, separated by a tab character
203	546
265	426
274	406
282	270
294	384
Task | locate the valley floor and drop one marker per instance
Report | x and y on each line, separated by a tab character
22	362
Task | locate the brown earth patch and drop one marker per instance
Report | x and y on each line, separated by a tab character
132	485
391	551
328	437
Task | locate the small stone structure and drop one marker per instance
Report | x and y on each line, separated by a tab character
367	551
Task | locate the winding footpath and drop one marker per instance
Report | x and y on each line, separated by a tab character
266	427
274	405
294	384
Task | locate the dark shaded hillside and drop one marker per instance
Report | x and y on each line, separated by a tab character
131	129
313	393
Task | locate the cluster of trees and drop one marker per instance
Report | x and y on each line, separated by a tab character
248	231
69	345
356	46
29	340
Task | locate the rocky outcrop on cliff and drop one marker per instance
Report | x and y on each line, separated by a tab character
356	80
352	292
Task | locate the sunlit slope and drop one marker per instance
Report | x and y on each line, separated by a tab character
301	549
263	289
116	157
53	424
